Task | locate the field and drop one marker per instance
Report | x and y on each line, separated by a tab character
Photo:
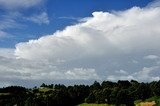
44	89
147	104
4	94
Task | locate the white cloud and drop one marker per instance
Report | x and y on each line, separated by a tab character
80	73
13	69
107	34
106	41
121	72
154	3
91	49
151	57
16	4
7	53
8	22
155	78
134	61
116	78
39	19
144	74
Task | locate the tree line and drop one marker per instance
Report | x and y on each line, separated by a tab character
120	92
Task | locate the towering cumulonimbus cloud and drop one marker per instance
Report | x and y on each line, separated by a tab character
107	46
125	32
107	43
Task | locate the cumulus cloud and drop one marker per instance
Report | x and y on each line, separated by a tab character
7	53
80	73
39	19
134	30
12	68
105	42
115	78
146	72
93	49
16	4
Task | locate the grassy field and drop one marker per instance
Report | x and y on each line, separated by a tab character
148	102
155	98
4	94
44	89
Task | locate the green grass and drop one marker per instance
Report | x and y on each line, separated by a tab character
44	89
4	94
155	98
137	102
85	104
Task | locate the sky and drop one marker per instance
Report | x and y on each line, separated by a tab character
78	41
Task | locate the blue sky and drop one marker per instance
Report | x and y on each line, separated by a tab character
78	41
60	13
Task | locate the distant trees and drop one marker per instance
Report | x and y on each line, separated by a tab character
13	95
155	88
121	92
47	86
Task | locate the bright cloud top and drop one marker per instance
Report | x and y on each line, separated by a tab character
132	31
105	43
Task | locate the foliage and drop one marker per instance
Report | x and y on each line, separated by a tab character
137	102
155	98
104	94
85	104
